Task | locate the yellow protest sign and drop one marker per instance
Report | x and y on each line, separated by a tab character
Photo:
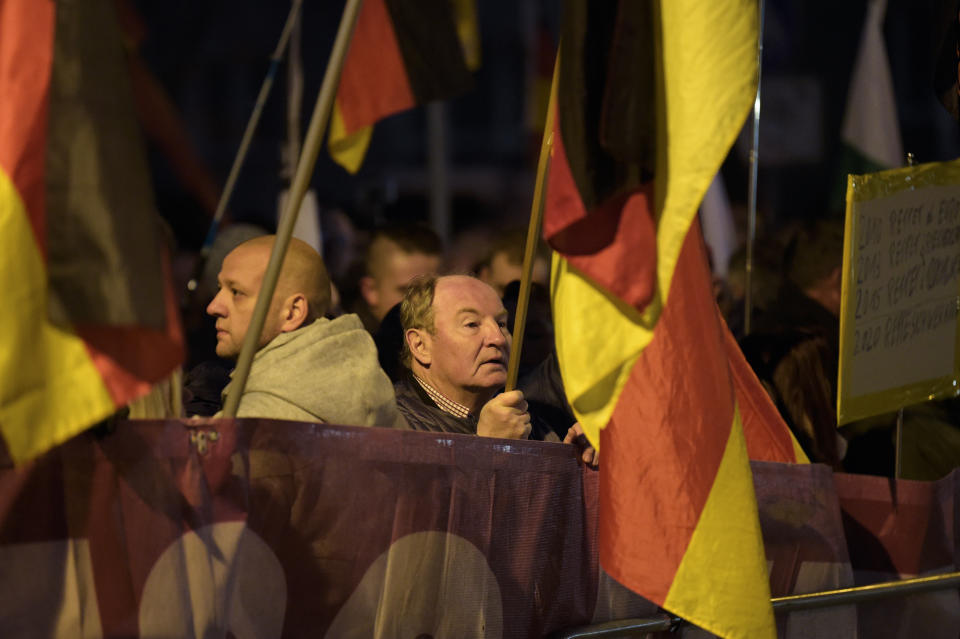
899	334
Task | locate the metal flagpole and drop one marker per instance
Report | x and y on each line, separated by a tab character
301	180
437	158
752	193
294	104
244	146
533	234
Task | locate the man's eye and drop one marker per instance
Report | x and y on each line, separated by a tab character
472	324
235	292
502	324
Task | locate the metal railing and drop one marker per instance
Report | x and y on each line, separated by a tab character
791	603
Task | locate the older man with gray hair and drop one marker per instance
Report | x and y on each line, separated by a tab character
457	347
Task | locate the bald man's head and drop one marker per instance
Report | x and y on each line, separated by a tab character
302	294
303	272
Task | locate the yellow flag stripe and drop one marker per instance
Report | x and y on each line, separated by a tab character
49	387
734	601
708	92
468	31
347	149
708	75
593	377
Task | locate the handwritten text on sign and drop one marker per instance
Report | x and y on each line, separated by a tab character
905	288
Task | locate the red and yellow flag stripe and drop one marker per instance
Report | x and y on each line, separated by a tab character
403	53
57	378
373	84
48	382
684	531
648	365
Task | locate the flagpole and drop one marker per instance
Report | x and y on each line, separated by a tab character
294	104
301	180
533	233
752	192
437	160
245	141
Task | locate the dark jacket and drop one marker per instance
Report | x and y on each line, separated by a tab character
422	413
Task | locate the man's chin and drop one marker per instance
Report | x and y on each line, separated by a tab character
226	352
493	379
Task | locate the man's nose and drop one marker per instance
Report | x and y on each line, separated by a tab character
215	307
496	334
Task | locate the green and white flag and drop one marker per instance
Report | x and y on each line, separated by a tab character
871	132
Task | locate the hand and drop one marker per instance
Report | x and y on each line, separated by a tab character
505	416
588	453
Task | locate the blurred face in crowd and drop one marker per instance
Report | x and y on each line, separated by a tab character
393	269
466	355
501	271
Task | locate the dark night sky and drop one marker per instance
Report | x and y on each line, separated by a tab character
212	56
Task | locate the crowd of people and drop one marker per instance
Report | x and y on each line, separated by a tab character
397	337
406	346
794	348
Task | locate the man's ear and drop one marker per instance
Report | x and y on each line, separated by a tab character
295	311
368	289
418	341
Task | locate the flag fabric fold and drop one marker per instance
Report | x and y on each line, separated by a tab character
91	320
403	53
651	97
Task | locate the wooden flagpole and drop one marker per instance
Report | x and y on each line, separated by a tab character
301	180
533	233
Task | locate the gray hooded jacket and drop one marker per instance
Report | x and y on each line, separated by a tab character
327	371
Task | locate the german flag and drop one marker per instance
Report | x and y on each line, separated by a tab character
651	97
89	320
403	53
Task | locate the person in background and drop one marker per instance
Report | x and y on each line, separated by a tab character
395	256
504	263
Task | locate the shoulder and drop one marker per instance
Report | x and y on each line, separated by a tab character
272	406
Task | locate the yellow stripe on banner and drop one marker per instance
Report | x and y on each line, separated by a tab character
49	387
616	337
726	543
347	149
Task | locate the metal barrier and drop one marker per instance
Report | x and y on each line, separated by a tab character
792	603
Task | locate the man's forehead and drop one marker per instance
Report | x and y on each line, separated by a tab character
468	310
459	294
245	262
247	251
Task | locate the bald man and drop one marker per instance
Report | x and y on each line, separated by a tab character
307	368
